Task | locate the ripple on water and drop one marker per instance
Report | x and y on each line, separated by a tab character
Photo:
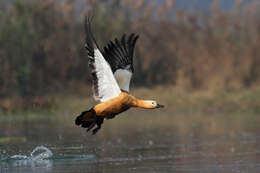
40	157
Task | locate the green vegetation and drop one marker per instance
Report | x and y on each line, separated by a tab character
191	61
213	102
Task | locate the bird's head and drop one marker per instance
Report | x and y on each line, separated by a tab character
151	104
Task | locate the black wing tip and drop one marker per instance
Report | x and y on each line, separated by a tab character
130	41
133	40
91	42
90	45
88	20
133	37
136	37
119	53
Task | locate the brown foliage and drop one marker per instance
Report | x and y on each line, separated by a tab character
41	44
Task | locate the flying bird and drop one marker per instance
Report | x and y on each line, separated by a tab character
111	71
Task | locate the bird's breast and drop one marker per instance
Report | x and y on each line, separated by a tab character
112	107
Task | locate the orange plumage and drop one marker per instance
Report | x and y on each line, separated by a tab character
111	72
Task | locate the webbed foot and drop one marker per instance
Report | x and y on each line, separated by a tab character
96	130
91	126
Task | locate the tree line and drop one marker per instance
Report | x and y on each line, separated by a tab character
42	44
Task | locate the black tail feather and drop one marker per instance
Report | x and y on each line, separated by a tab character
79	119
88	119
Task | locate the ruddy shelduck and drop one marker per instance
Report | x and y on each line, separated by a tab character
111	72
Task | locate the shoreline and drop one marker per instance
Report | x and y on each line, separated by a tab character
175	99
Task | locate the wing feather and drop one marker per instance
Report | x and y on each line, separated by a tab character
119	54
105	86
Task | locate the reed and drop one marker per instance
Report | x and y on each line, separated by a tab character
42	52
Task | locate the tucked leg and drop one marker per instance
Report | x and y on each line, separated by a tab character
96	130
92	125
99	122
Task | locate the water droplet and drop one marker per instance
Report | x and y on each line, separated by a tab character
38	155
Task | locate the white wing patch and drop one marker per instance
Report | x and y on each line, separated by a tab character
107	85
123	78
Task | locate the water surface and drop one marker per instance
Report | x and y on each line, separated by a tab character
161	143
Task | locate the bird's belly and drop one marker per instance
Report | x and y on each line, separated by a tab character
110	111
112	107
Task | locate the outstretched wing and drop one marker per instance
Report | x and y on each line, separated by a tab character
119	54
104	84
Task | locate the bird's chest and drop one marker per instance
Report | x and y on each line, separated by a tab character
113	107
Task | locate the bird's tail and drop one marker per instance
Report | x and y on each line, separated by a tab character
88	119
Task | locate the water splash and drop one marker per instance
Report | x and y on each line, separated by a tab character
42	160
39	157
19	157
38	154
43	157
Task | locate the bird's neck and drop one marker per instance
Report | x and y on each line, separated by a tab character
141	104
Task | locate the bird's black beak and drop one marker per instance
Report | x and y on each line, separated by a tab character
159	106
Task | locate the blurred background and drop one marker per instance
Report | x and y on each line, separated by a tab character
188	45
200	58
